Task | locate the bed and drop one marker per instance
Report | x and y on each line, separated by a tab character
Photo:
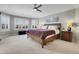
42	35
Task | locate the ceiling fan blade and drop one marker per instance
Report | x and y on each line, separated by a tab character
39	6
36	6
39	10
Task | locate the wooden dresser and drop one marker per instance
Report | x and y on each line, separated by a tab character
67	36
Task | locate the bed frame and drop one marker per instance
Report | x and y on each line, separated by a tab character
43	42
58	24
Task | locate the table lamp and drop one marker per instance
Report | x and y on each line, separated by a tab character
69	25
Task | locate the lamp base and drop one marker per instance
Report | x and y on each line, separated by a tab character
69	29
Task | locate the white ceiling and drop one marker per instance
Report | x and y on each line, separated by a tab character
26	10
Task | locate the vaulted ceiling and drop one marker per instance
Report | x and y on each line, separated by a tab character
26	10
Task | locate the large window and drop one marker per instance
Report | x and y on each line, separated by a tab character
34	23
5	22
21	23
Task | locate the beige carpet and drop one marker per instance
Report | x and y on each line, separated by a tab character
23	45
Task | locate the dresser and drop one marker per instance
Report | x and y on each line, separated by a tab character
66	36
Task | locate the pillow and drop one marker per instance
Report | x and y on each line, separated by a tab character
43	27
54	28
57	31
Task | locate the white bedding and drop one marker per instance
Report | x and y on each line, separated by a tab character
49	36
54	28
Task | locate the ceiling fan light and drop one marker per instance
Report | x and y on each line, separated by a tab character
34	9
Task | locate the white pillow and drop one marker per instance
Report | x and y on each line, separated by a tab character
54	28
57	31
43	27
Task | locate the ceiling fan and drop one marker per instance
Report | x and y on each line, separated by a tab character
36	7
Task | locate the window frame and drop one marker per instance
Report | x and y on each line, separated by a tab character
6	22
21	25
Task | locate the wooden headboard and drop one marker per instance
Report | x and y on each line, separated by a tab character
54	24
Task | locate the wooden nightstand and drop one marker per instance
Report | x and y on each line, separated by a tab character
67	36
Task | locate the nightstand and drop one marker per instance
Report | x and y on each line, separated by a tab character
66	35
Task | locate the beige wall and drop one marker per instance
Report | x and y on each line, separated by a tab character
63	17
76	29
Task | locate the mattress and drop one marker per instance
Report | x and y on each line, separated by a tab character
41	33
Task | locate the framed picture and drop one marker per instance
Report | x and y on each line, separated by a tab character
6	26
3	26
23	27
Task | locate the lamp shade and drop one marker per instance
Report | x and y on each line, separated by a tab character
69	23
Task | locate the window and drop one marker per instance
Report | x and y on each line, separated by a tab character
21	23
34	23
5	22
